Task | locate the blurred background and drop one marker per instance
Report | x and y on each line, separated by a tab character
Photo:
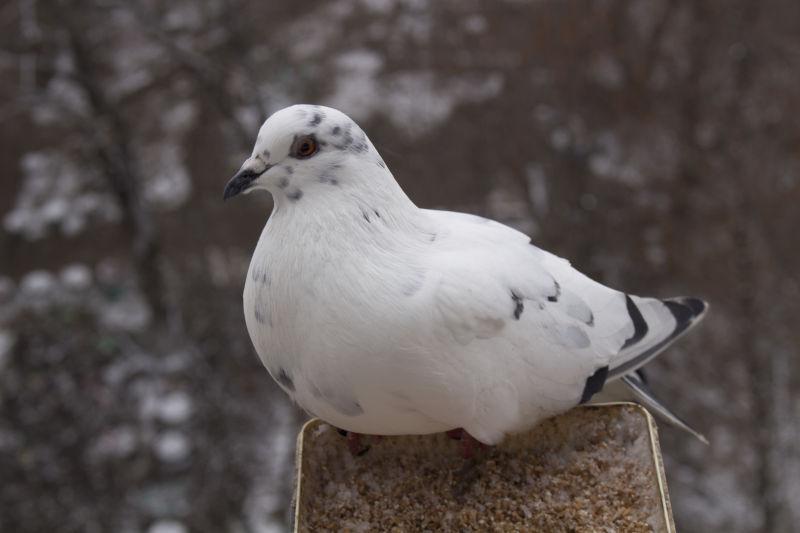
655	143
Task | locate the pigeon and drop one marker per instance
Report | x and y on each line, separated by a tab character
383	318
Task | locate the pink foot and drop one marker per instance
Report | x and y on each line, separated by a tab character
354	444
469	444
455	434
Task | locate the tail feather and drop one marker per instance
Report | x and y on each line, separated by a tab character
656	325
644	395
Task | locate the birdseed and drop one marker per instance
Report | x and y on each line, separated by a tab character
591	469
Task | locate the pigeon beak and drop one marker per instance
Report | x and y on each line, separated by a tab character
244	178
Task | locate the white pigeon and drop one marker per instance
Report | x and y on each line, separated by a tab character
383	318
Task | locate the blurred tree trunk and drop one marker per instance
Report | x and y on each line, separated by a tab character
756	332
113	144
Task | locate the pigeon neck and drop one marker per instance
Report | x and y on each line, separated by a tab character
354	206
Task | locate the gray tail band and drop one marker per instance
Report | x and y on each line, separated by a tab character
645	396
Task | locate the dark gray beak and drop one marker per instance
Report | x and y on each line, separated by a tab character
241	182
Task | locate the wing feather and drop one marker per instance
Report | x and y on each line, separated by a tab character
490	274
557	335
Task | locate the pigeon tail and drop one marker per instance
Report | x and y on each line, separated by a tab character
656	325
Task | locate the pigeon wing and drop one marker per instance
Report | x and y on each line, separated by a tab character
494	283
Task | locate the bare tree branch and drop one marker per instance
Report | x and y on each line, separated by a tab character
113	149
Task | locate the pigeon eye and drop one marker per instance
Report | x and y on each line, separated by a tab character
304	147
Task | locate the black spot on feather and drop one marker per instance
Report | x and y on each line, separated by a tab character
259	315
260	275
295	195
697	305
285	379
414	284
683	314
554	297
347	139
346	406
519	307
685	311
639	325
316	118
360	146
594	384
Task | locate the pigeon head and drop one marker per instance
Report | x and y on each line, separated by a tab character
305	148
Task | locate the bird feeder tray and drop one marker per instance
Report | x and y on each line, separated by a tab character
595	468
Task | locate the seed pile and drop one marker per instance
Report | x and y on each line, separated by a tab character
588	470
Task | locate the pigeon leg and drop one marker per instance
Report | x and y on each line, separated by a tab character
455	434
469	444
354	444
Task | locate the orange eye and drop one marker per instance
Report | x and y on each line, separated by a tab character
305	147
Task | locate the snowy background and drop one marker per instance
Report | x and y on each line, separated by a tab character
655	143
